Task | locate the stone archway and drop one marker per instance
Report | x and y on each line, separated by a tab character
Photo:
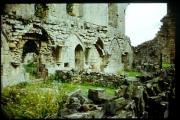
79	58
100	48
29	47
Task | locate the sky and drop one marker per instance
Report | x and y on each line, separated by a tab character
143	21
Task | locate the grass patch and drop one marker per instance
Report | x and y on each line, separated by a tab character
39	100
31	101
133	73
130	73
166	66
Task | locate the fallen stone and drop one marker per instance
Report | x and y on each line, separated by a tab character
122	91
97	113
130	106
89	114
122	114
78	115
75	93
74	103
120	103
65	111
97	95
109	108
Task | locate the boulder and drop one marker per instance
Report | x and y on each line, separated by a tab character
111	107
97	95
78	115
97	113
66	111
89	114
74	103
77	94
122	91
120	103
139	101
130	106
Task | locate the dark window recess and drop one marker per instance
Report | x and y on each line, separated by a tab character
72	25
69	9
66	64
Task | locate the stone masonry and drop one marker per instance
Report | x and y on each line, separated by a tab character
83	37
160	50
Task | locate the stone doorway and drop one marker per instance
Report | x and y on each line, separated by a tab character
79	58
125	60
29	47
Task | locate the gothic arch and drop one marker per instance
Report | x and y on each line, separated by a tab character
100	47
79	58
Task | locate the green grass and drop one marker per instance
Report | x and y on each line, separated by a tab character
39	100
133	73
166	65
130	73
30	101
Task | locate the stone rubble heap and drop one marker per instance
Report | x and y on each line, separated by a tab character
95	78
149	98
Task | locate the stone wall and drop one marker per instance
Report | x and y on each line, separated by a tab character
96	13
26	11
10	73
63	41
160	50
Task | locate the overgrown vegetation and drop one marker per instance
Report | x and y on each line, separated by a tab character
31	68
39	100
133	73
166	65
31	101
130	73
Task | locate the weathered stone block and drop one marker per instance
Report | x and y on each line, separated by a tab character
97	95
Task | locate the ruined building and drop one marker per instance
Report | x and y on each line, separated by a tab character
83	37
152	54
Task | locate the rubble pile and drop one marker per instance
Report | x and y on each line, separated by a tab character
147	98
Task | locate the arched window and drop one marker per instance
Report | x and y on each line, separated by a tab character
79	58
99	46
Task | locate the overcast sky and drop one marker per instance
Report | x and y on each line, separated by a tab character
143	21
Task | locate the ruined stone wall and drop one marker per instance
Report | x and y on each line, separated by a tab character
160	50
56	12
62	41
96	13
10	73
121	14
24	10
116	16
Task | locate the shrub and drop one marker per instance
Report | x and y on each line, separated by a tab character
31	101
166	66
